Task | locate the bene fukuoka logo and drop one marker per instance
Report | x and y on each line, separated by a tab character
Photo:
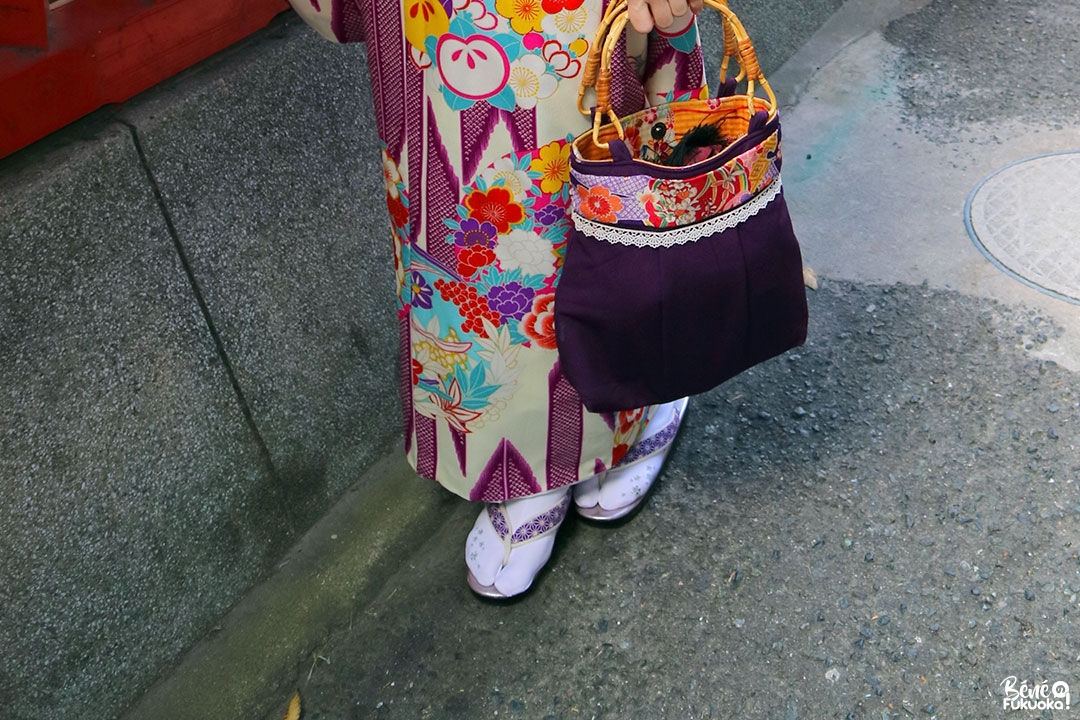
1037	696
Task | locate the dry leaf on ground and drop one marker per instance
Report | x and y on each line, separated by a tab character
293	713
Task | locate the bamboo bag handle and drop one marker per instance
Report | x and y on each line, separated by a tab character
592	61
611	29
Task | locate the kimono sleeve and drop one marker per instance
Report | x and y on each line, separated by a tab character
338	21
652	69
674	66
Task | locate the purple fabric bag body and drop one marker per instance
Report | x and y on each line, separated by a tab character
677	278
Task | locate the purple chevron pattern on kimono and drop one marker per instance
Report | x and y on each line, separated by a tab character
507	475
690	71
459	448
441	191
475	103
627	90
522	123
564	431
387	76
405	377
477	124
427	445
414	140
350	23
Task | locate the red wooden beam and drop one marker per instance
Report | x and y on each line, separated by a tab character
106	51
23	22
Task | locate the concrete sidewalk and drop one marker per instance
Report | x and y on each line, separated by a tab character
882	524
192	337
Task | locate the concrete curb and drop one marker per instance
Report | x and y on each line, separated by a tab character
338	566
853	20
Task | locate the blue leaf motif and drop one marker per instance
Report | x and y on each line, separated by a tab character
504	99
456	102
511	43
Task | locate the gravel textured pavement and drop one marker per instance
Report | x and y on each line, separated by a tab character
884	524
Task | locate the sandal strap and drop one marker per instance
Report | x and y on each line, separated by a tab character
654	444
541	525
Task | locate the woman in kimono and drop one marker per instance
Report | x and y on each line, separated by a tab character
476	104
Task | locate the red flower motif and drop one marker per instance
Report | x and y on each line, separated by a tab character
660	149
472	258
696	186
553	6
597	203
474	323
471	306
539	324
399	214
495	206
618	452
628	419
417	369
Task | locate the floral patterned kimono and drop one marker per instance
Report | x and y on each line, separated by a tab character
476	104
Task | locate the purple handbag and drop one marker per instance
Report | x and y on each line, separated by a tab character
677	278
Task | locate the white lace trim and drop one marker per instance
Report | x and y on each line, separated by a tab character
678	235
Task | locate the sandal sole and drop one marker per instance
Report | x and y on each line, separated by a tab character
485	591
600	514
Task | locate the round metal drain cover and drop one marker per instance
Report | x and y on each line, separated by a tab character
1025	218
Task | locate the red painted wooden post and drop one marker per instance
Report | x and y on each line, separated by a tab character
106	51
24	23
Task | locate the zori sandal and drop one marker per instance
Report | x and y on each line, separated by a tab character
503	562
617	492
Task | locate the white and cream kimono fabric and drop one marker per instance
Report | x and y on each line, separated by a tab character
476	102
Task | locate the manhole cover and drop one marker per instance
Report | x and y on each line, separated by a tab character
1025	218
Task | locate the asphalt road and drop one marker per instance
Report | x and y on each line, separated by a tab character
882	524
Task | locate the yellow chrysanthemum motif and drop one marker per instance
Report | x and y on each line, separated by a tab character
510	180
553	166
572	22
441	356
524	82
525	16
424	18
